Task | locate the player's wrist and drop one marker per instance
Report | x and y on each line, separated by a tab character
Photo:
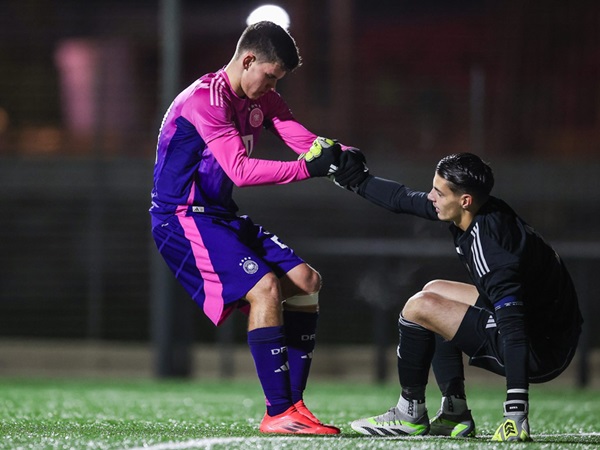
352	170
322	159
516	407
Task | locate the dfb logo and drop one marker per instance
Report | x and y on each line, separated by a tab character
307	337
278	351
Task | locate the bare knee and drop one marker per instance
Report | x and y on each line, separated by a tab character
301	280
267	290
418	307
301	289
435	313
315	282
311	280
437	286
265	303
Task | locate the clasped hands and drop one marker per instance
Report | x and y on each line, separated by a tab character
325	158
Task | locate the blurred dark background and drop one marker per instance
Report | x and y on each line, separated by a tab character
407	81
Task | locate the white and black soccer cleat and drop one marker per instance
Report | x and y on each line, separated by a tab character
392	423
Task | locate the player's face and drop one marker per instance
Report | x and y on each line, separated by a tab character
260	77
447	203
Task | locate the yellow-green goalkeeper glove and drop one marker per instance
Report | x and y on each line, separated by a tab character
323	157
516	424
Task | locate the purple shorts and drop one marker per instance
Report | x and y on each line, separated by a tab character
219	260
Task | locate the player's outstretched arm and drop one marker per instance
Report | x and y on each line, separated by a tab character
353	174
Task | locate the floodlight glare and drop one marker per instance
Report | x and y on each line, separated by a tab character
272	13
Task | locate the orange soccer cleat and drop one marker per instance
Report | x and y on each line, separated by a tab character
291	421
302	409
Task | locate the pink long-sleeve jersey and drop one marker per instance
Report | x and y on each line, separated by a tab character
205	145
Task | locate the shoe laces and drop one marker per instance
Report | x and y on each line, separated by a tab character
392	415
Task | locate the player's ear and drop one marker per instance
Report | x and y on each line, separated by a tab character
248	59
466	200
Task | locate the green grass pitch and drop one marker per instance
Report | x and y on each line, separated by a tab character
179	415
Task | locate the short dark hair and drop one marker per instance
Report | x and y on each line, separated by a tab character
467	173
271	43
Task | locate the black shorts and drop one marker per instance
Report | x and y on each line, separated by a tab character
478	337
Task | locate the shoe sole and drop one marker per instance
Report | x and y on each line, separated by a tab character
299	430
385	431
296	427
446	428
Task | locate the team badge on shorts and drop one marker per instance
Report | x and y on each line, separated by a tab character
249	266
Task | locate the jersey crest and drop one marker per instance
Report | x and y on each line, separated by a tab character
256	116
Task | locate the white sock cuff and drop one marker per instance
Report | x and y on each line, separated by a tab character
453	405
303	300
411	408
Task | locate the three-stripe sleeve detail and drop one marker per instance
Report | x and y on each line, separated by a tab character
479	261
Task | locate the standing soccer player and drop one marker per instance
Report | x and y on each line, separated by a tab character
520	318
225	261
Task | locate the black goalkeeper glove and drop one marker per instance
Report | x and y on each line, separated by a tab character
322	158
352	170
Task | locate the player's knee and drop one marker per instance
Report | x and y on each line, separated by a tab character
417	307
443	288
311	280
307	299
410	307
301	279
434	286
267	289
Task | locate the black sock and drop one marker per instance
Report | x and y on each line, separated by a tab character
415	351
448	368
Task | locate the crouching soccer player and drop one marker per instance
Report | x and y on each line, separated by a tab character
520	318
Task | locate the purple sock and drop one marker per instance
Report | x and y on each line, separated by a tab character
300	329
268	349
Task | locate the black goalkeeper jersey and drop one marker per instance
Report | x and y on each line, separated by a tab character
506	259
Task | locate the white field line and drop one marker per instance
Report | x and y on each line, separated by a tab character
207	443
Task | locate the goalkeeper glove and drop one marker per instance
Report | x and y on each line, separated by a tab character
516	424
352	170
322	158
